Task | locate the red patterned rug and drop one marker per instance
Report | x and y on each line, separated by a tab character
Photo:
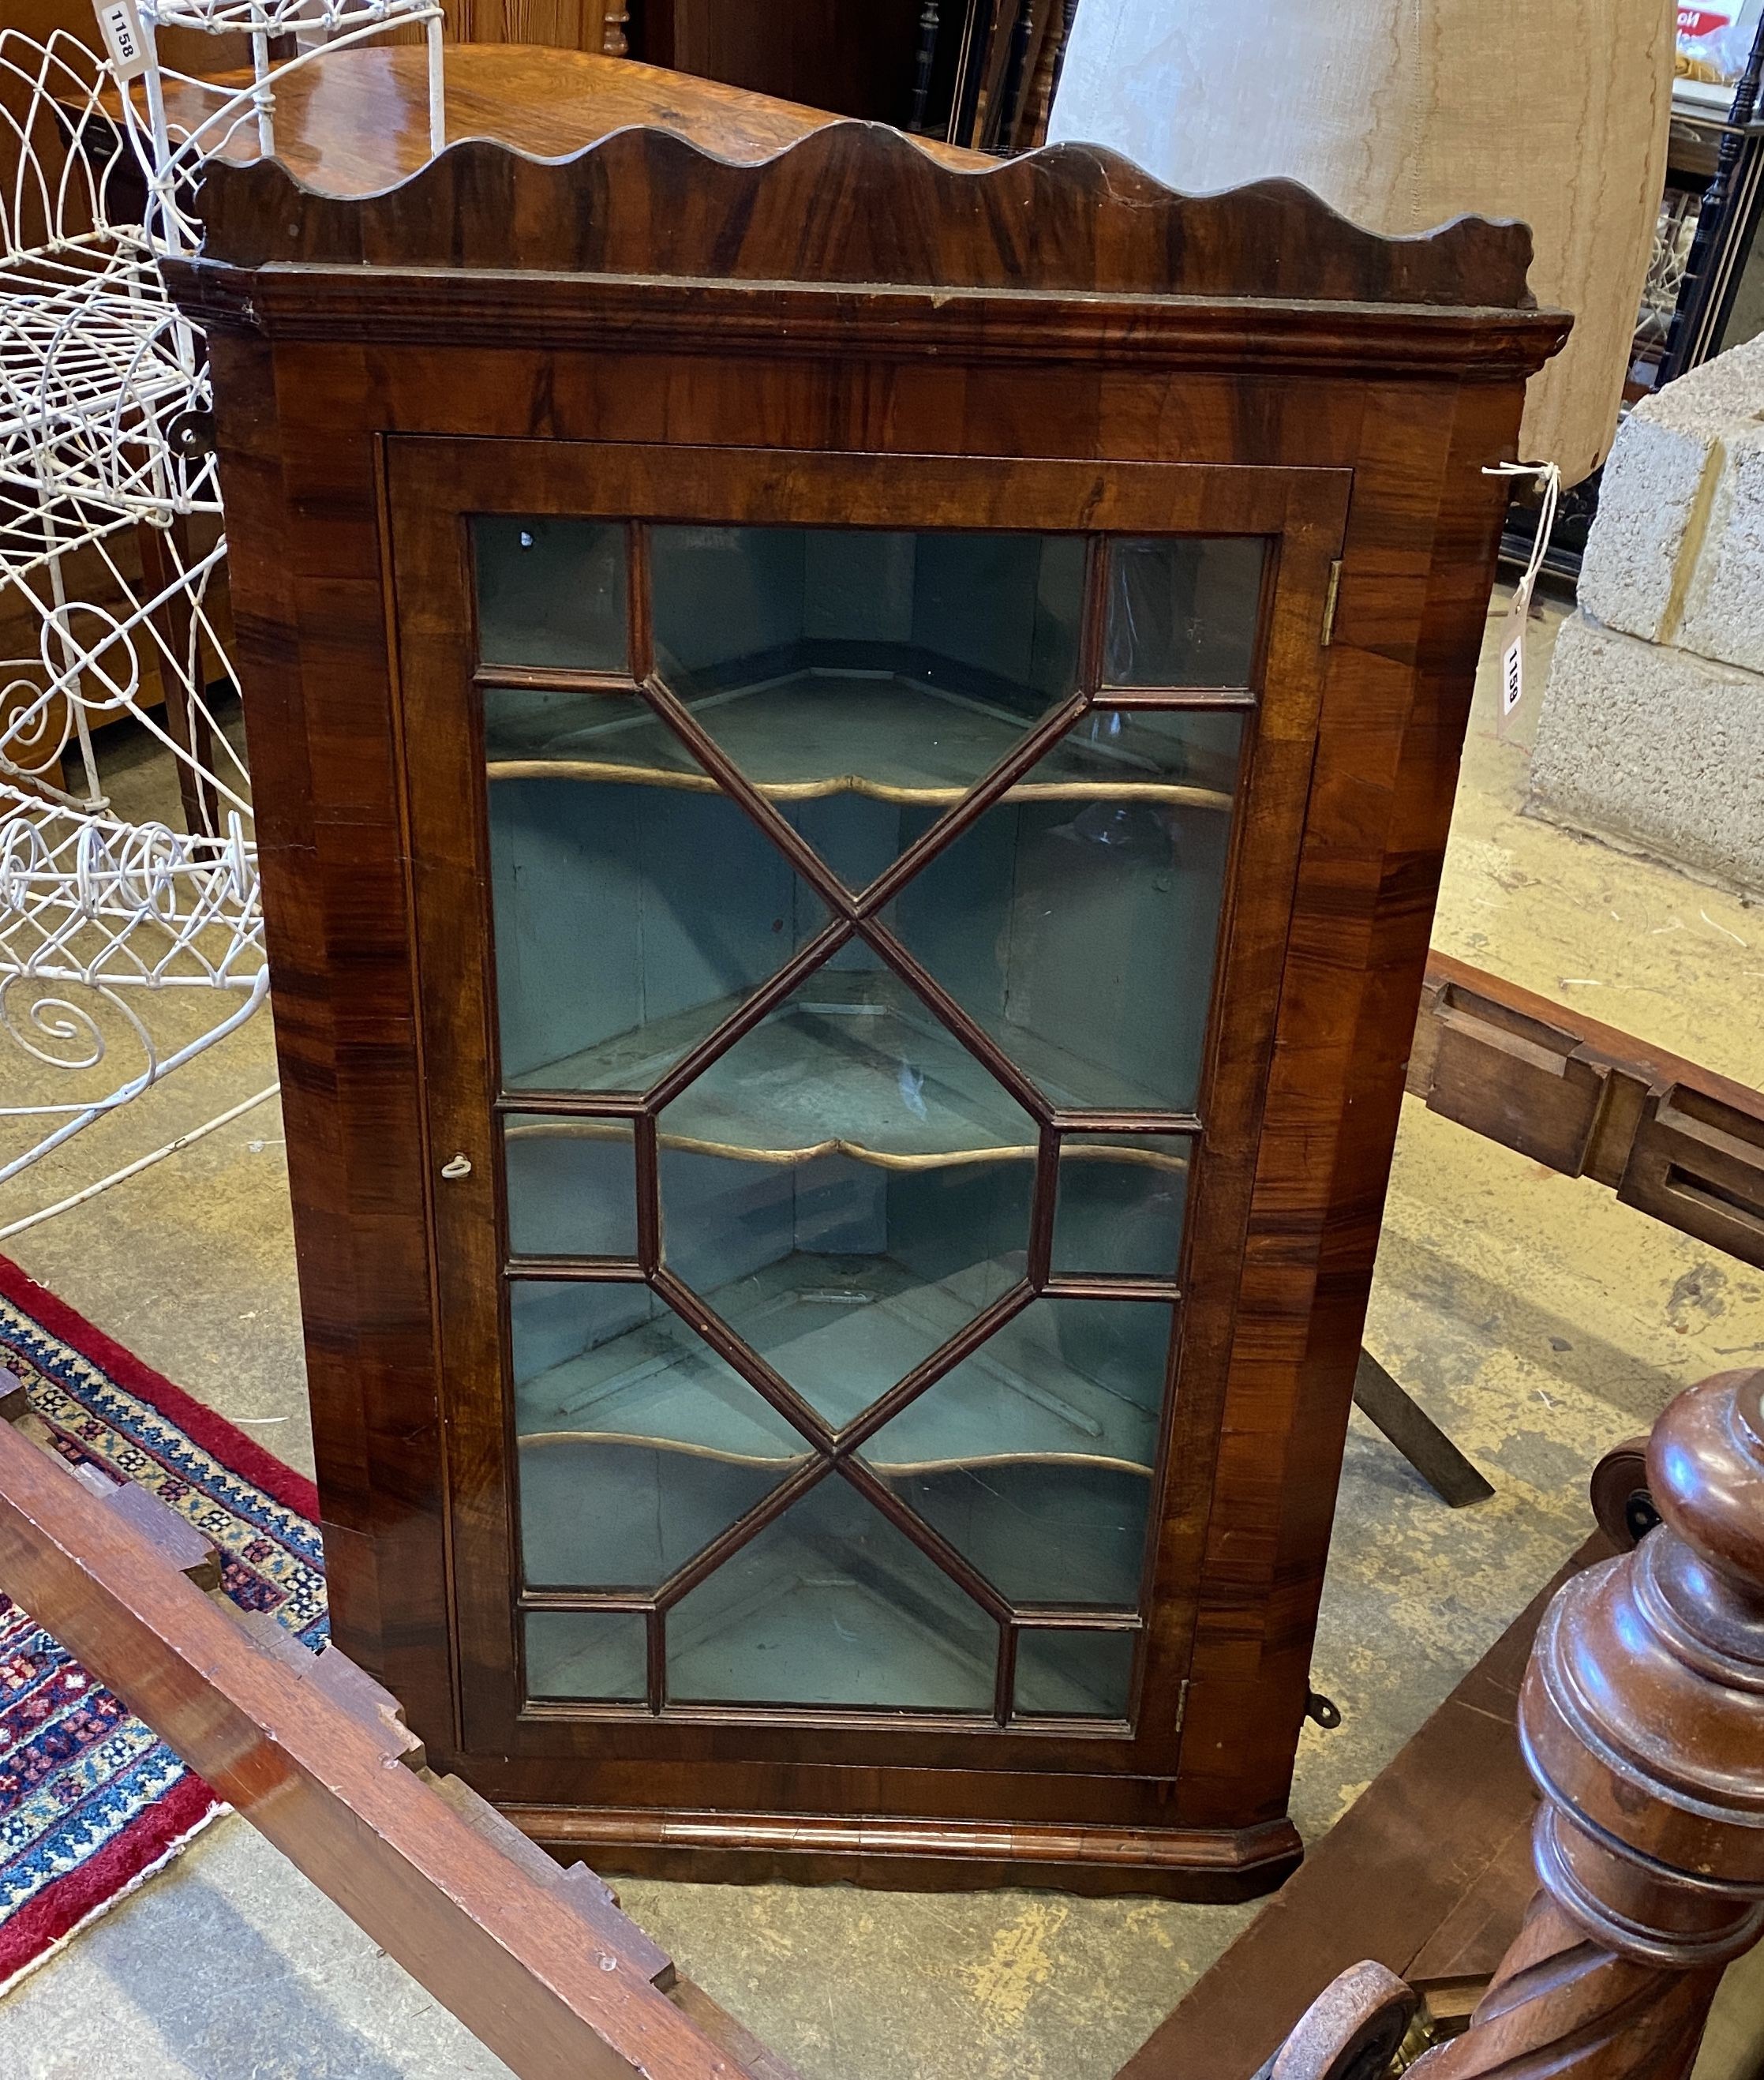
90	1803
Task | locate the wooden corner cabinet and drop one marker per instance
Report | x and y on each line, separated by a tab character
853	749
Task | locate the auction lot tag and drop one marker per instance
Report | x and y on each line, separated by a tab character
1513	649
121	24
1518	611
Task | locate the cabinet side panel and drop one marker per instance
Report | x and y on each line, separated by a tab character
302	501
1419	563
269	667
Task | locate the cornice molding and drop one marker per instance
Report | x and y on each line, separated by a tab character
423	306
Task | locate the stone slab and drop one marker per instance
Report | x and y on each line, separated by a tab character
1654	748
1724	612
1661	487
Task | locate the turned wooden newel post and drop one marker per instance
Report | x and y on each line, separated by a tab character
1642	1716
1642	1722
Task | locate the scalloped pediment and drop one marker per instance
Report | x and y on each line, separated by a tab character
858	202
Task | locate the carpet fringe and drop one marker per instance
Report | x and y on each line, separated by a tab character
172	1850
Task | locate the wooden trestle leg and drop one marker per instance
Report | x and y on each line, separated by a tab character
1642	1722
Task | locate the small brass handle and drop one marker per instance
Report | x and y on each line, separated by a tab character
457	1166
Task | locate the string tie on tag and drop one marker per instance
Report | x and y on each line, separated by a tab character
1550	474
1513	635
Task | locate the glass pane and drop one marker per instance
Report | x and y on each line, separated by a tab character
1067	1673
1077	921
571	1186
586	736
844	1271
1034	1456
852	1060
1182	612
587	1655
551	592
630	918
1121	1202
831	1605
852	674
637	1444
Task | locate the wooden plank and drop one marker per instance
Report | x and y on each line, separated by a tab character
558	1994
1381	1400
1428	1873
1672	1139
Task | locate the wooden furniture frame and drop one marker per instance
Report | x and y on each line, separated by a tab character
536	1961
850	328
1671	1139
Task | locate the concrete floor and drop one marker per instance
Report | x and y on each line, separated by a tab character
1534	1317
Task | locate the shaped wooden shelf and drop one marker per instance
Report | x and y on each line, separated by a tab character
900	741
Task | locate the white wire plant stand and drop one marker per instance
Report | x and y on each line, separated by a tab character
127	948
285	36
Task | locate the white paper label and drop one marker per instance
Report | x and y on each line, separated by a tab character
1513	672
1513	650
120	23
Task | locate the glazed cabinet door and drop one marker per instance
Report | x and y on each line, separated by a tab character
851	893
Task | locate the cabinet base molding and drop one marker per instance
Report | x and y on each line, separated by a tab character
1209	1866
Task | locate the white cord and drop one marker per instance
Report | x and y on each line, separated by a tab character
133	1169
1551	475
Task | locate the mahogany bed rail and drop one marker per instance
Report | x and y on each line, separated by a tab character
536	1961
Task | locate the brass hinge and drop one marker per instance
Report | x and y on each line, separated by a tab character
1329	602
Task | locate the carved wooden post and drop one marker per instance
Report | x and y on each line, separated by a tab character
613	16
1642	1721
924	64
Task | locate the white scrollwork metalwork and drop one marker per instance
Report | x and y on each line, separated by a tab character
285	35
126	948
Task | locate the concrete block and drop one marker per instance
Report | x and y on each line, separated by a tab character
1724	609
1657	480
1659	489
1656	748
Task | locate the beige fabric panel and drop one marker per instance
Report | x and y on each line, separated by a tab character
1404	114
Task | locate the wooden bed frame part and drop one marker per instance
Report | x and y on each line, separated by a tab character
536	1961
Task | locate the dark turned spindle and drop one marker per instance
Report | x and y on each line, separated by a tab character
1690	337
1642	1721
1002	124
1049	64
1068	18
615	16
927	62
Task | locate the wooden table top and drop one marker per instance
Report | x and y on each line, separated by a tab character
355	121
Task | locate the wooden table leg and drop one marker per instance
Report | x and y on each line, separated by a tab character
1415	1434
